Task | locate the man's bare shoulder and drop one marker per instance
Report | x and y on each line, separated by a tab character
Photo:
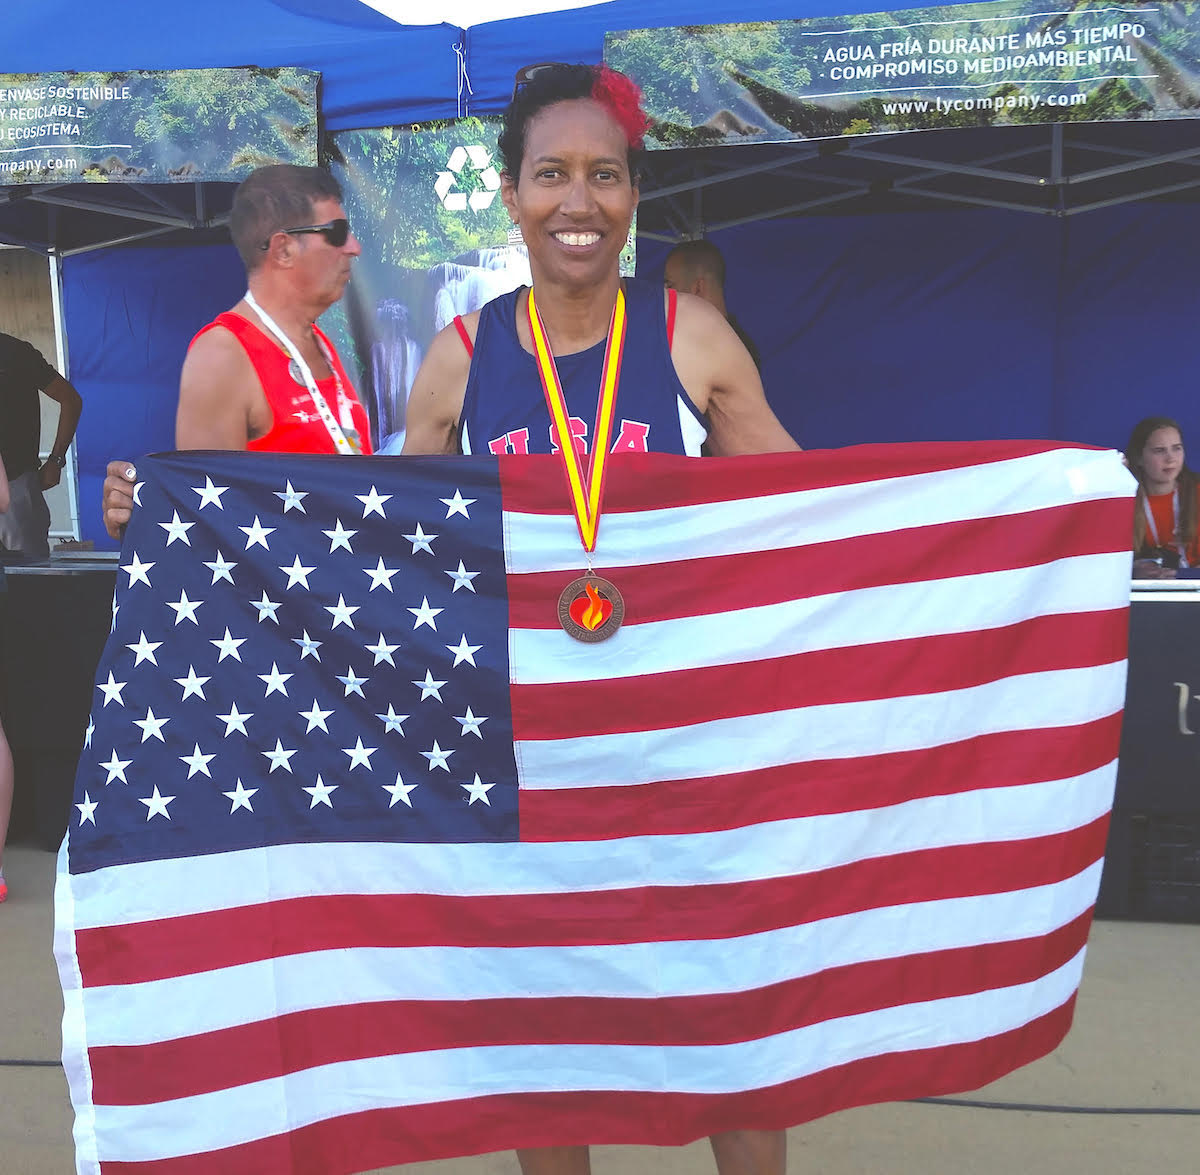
221	400
218	344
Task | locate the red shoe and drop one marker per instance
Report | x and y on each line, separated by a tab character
3	889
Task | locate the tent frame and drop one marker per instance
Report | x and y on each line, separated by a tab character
1062	181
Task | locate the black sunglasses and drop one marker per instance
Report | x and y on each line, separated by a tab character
336	232
527	73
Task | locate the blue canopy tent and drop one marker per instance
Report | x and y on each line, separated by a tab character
935	285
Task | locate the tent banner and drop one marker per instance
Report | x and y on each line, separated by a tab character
917	69
437	242
146	126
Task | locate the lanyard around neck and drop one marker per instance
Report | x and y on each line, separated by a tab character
586	489
341	442
1152	526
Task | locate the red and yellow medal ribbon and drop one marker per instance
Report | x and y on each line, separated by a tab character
586	489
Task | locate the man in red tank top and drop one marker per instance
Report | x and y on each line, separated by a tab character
262	375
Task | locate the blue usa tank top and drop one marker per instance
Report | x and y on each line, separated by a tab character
504	408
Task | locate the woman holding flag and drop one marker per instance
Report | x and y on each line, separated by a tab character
521	375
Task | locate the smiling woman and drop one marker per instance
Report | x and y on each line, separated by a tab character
571	143
522	374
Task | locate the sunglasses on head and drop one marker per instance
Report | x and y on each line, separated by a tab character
336	232
527	73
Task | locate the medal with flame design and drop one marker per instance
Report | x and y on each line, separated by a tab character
590	608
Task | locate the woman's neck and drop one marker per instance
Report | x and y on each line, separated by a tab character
575	318
1158	488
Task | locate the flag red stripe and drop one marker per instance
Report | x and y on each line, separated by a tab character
350	1143
759	578
145	1074
902	668
820	786
160	949
668	481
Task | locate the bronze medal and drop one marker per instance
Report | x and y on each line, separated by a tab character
590	609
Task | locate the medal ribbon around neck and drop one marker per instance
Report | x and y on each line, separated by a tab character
587	490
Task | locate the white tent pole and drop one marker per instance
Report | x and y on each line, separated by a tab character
62	363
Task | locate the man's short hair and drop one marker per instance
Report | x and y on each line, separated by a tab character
272	198
699	258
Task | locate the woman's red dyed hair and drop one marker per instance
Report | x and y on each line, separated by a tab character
622	98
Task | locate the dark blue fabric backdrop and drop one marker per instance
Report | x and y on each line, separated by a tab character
966	325
948	326
129	316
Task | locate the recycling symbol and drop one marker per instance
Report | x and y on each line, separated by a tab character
462	163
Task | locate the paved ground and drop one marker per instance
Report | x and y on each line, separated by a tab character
1136	1043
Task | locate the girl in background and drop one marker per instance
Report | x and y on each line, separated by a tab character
1166	517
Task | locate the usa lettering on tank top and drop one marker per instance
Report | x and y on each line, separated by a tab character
504	410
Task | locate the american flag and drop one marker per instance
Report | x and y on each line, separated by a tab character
371	863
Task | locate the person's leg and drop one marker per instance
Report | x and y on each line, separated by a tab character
750	1152
6	795
555	1160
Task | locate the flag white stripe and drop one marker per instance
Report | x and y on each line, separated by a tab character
244	1113
840	731
549	542
134	893
76	1028
838	620
212	1000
